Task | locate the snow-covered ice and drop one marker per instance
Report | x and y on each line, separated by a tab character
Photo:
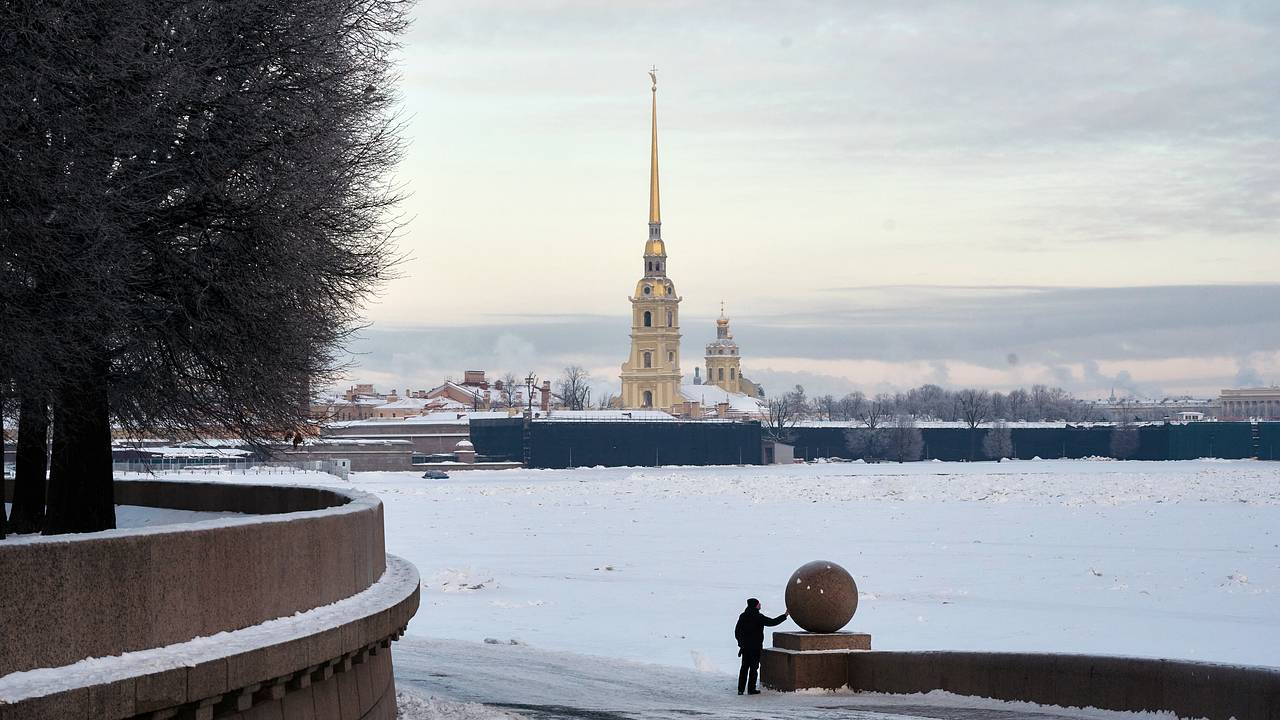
1169	559
652	565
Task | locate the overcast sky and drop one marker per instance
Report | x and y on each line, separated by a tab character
884	194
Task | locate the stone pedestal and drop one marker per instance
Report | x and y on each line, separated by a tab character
822	641
801	660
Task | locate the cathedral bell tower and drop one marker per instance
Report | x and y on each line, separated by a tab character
651	375
724	364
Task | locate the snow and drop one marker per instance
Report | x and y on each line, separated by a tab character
711	395
197	451
138	516
394	585
1167	559
587	415
441	679
159	521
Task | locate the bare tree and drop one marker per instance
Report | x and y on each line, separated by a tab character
879	409
201	216
904	441
573	389
30	465
998	442
973	407
1017	403
509	392
782	413
825	407
850	405
869	444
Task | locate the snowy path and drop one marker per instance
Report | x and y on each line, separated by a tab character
475	681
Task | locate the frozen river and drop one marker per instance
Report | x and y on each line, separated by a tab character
652	565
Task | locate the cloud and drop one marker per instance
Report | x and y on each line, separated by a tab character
1137	340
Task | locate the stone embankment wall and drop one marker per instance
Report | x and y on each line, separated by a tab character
287	612
1189	689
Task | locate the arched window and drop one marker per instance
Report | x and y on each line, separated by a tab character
648	319
649	266
720	374
671	318
671	356
731	376
648	359
648	398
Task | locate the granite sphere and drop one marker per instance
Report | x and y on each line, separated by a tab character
821	596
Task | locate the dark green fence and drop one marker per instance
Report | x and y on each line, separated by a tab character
1269	441
1230	440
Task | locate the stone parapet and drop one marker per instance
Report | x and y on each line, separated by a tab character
1188	689
277	615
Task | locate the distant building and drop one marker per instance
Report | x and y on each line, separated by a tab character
1250	404
651	374
357	402
724	362
1166	409
476	393
709	400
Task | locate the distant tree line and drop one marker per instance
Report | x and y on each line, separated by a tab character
193	208
970	406
888	422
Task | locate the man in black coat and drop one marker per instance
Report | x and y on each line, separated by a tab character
750	635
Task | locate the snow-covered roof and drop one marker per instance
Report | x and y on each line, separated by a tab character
434	418
1012	425
315	442
712	395
584	415
172	451
405	404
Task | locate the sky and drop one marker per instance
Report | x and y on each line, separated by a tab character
883	194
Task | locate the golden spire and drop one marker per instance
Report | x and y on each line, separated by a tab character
655	213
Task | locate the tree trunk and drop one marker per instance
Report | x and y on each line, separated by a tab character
81	496
3	497
31	461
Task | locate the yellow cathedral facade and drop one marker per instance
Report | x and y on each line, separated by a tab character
651	377
651	374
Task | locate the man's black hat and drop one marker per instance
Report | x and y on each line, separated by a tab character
752	602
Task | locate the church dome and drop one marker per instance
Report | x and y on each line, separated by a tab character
651	287
655	246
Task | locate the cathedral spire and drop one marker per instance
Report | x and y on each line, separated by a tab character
655	211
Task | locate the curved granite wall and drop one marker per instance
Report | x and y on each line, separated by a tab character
300	595
1189	689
